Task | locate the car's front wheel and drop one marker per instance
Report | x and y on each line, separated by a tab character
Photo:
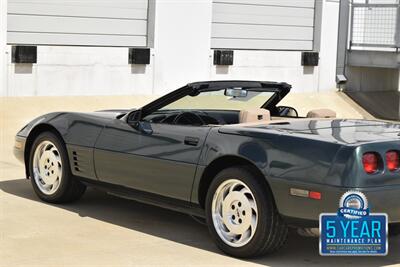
50	172
241	215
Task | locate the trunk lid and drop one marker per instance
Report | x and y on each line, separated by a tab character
345	131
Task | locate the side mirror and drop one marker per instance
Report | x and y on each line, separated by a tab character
287	111
143	127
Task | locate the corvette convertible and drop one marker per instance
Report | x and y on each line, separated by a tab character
221	150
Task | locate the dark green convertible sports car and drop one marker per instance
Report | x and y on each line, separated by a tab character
222	150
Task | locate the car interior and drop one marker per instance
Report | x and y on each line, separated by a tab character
229	117
242	115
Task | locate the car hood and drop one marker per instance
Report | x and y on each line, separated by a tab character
344	131
111	113
102	116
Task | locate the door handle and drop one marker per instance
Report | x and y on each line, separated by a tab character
191	141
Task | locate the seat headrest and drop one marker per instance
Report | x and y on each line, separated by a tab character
254	115
321	113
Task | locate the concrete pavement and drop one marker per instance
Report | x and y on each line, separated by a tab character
103	230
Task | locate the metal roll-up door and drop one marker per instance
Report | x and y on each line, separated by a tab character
263	24
77	22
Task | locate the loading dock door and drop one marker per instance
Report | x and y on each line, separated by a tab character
263	24
77	22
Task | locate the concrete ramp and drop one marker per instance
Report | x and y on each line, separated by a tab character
342	104
381	104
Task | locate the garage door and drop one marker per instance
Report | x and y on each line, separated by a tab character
77	22
263	24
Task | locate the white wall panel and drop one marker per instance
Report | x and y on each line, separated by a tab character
266	24
281	66
78	22
3	46
279	13
103	9
266	32
181	43
289	3
74	70
75	39
261	44
235	18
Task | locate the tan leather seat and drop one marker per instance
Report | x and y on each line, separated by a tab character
254	115
321	113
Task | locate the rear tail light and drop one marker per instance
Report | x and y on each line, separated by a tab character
392	160
370	162
315	195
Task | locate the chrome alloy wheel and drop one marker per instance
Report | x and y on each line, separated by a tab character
47	167
234	213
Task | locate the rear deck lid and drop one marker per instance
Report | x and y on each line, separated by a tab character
346	131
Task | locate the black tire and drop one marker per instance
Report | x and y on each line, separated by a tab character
394	229
70	189
271	231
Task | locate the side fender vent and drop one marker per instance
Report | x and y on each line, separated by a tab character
81	161
75	162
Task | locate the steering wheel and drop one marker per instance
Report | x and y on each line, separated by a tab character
188	118
207	119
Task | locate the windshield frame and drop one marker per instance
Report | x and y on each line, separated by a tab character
280	90
207	100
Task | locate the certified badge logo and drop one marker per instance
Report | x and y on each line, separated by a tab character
353	230
353	205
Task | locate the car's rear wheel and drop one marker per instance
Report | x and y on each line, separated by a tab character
394	229
50	172
241	215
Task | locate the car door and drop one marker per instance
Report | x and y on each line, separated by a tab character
161	161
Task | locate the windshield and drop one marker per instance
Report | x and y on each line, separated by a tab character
217	100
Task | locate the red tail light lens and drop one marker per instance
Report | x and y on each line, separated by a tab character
314	195
370	162
392	160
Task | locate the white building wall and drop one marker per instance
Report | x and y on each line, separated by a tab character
79	71
281	66
286	66
181	54
181	43
3	47
329	39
